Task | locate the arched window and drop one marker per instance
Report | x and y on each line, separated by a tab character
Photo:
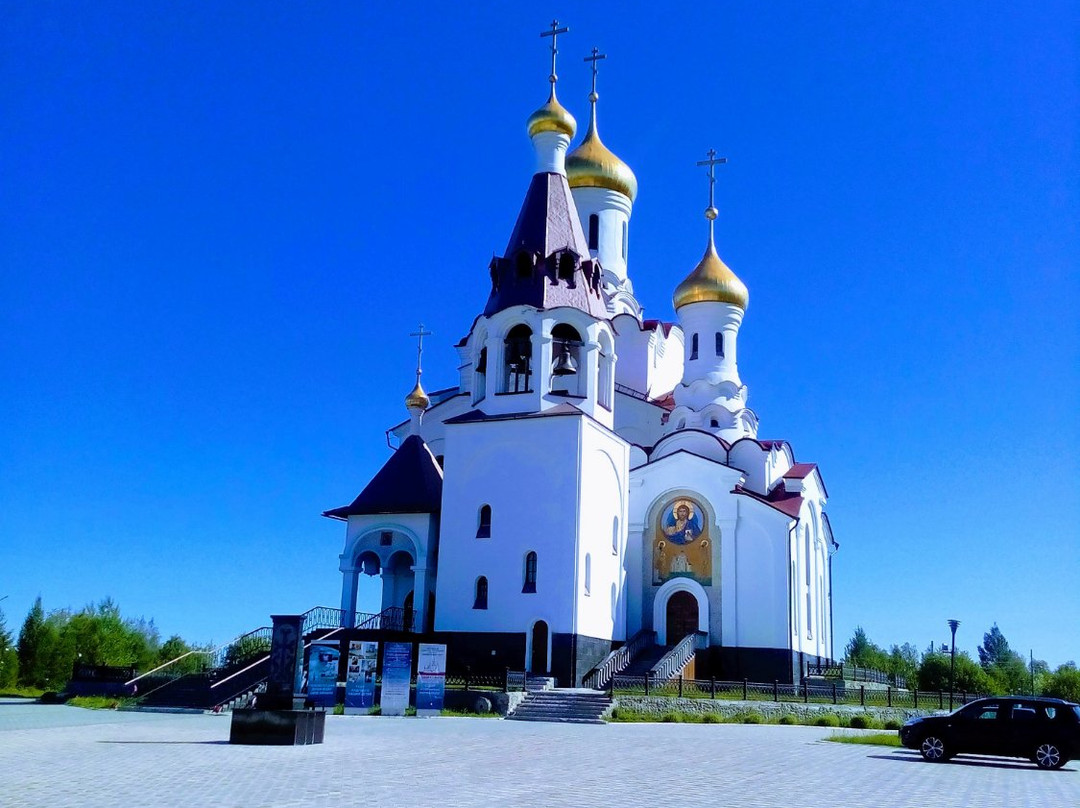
480	601
624	240
719	343
693	347
588	573
524	265
614	600
565	360
518	353
606	381
615	535
483	528
594	231
530	573
480	382
714	422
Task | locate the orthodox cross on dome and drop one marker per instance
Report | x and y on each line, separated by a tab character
596	57
419	334
554	34
713	161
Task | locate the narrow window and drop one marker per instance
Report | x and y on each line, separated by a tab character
624	240
439	459
614	601
386	538
693	347
719	343
518	352
481	593
483	530
566	267
594	231
615	536
524	266
588	573
530	573
566	359
714	422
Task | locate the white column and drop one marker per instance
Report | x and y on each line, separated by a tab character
349	583
420	598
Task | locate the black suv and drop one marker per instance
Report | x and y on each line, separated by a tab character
1044	730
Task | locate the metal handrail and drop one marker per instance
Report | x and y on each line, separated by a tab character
618	659
676	659
854	673
314	619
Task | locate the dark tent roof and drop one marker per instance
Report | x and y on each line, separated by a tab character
409	482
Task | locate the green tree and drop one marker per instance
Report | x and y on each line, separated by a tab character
904	661
1064	683
995	648
9	656
246	649
29	646
933	674
862	652
1006	669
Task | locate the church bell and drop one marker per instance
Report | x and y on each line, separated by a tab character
564	363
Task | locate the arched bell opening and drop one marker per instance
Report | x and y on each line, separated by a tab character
517	350
566	367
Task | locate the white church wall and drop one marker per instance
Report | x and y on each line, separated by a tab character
759	601
752	458
602	534
526	471
637	421
613	211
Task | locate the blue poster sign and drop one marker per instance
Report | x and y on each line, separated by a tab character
430	679
322	672
360	677
396	678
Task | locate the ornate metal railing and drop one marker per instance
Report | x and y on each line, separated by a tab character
672	663
630	391
323	617
618	659
392	619
853	673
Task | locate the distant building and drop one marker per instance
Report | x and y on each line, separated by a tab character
594	475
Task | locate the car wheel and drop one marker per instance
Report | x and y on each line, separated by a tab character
933	749
1049	756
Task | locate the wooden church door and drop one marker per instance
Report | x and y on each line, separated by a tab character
682	616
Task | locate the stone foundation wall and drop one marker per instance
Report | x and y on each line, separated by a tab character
770	710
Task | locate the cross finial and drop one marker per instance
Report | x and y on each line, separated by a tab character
419	334
596	57
713	161
554	34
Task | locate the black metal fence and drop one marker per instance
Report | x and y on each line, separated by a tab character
467	680
853	673
744	690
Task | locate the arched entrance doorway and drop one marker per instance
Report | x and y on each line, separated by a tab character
682	616
407	608
539	660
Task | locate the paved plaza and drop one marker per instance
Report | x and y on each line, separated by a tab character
61	756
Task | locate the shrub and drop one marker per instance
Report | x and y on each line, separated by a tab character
711	718
787	719
671	718
892	724
827	720
753	717
864	721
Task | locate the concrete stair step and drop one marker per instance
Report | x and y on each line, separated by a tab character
554	720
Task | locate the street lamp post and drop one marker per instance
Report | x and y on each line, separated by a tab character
952	661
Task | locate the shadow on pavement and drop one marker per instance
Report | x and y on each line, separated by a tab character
196	743
988	763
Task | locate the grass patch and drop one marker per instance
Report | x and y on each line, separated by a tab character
467	714
98	702
21	692
827	720
874	739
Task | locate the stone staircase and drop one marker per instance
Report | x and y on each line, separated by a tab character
643	662
562	706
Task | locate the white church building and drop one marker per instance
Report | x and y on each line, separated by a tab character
595	478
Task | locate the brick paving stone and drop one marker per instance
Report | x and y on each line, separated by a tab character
60	756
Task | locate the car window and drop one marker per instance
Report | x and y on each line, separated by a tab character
1076	709
1024	712
1051	712
986	712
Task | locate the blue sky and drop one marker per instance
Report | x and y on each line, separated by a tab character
219	223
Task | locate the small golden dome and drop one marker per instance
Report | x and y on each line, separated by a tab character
417	398
552	117
711	281
594	165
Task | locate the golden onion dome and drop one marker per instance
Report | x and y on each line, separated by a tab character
417	398
552	117
594	165
711	281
